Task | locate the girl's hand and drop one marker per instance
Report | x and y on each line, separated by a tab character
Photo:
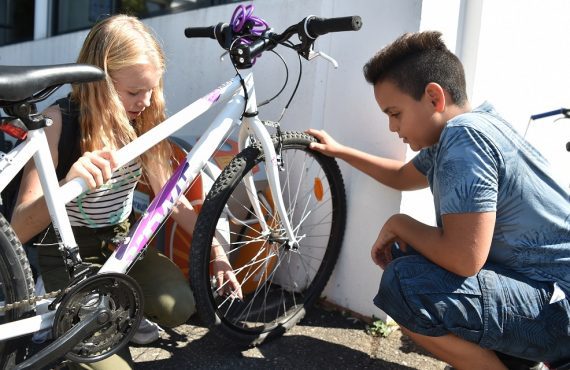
96	167
326	145
226	282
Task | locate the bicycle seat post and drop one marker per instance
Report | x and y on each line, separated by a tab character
27	112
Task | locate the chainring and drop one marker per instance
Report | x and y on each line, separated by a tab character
122	297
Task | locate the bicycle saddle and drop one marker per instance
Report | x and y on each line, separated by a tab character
18	83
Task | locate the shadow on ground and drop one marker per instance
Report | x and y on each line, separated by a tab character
323	340
296	351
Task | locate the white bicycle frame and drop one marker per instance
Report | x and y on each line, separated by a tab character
226	121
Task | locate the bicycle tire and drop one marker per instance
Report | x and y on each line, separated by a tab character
16	284
274	298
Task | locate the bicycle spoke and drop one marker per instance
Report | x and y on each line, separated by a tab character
279	277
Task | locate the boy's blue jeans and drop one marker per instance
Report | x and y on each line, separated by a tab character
498	309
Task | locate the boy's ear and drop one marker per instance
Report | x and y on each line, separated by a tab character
436	96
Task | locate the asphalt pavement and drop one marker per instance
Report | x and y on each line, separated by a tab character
324	339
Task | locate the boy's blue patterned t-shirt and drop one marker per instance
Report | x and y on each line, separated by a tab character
482	164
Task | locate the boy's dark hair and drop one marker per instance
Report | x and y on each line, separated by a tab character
415	59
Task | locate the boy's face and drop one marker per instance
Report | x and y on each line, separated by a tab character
417	123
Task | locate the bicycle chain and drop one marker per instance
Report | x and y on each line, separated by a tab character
30	301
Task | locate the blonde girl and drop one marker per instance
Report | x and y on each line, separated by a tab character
88	126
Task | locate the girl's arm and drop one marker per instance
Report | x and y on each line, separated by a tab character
31	214
183	212
185	215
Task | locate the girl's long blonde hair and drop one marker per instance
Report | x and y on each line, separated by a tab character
117	42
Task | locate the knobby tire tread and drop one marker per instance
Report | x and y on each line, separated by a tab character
16	273
203	233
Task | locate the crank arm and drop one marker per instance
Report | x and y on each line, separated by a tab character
62	345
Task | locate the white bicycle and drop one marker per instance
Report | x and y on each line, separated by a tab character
278	208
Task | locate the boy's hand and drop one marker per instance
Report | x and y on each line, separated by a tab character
381	252
326	145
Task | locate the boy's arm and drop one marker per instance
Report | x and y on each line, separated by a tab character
461	246
393	173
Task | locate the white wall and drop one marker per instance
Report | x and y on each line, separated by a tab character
514	54
515	57
522	68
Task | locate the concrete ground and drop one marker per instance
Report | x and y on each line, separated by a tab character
323	340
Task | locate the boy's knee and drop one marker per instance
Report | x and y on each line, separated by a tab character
403	304
390	296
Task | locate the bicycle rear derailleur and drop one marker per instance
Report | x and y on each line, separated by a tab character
94	320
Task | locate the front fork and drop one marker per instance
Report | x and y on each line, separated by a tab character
272	164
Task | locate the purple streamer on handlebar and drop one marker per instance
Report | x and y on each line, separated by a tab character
243	15
238	18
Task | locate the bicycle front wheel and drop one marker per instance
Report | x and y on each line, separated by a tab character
16	285
279	281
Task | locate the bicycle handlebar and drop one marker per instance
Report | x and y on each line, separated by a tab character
563	111
212	32
243	54
321	26
311	27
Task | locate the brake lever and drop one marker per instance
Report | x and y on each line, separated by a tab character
307	51
327	57
313	54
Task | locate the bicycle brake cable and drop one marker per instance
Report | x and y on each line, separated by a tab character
294	90
241	80
249	28
267	101
278	128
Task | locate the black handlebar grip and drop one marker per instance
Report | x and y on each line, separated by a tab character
191	32
319	26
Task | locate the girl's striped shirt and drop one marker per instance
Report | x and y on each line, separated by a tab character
110	204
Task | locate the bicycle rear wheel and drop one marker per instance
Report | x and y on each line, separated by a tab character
278	282
16	284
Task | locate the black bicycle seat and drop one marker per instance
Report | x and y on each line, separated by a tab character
18	83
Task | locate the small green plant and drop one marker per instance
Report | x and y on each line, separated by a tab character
379	328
